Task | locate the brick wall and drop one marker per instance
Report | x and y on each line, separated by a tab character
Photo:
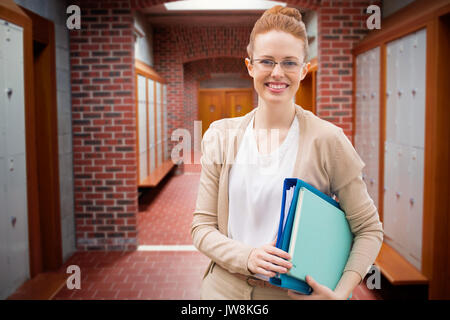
103	119
341	24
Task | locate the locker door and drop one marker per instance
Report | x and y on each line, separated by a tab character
15	218
373	136
151	124
403	75
158	123
415	206
142	125
165	115
391	92
402	197
4	244
417	89
358	122
389	191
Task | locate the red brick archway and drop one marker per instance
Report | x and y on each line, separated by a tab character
102	73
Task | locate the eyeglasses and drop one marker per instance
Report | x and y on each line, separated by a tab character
286	65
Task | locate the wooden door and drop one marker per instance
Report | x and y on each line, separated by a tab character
210	107
306	93
215	104
237	103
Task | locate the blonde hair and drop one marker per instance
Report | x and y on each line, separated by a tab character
283	19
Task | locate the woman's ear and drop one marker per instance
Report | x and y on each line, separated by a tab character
305	70
249	67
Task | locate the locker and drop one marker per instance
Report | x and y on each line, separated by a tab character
18	224
15	112
388	191
391	89
166	139
415	206
14	251
158	123
151	121
405	130
152	158
402	193
367	122
417	90
142	116
142	127
403	74
143	171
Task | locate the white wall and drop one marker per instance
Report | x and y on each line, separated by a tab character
310	20
143	47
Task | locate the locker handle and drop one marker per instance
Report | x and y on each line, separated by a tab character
371	181
13	221
9	92
397	194
411	201
414	91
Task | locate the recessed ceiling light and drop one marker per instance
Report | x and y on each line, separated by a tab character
222	5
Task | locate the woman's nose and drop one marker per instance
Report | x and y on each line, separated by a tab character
277	70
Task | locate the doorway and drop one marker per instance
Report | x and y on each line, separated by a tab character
215	104
45	234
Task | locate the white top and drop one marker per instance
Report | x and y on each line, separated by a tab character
256	187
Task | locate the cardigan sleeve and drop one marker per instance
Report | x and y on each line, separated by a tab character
228	253
345	173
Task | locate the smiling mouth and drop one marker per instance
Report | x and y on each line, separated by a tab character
276	86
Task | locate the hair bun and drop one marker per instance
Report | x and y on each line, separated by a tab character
290	12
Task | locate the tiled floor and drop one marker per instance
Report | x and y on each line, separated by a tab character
137	275
164	218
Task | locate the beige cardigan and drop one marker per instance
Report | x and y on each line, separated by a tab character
326	159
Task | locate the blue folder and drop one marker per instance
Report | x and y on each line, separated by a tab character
285	234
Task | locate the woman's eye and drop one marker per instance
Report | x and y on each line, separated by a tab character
267	62
290	63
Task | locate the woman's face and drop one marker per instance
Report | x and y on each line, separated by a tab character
277	86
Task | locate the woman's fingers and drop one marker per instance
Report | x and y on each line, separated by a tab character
279	262
269	266
265	272
278	252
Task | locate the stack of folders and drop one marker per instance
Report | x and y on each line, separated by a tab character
315	232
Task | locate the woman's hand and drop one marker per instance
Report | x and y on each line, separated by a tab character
320	292
268	260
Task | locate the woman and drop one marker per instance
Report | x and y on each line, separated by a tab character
240	191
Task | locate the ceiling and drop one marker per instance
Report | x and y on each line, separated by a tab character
159	16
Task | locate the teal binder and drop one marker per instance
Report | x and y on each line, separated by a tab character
323	238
